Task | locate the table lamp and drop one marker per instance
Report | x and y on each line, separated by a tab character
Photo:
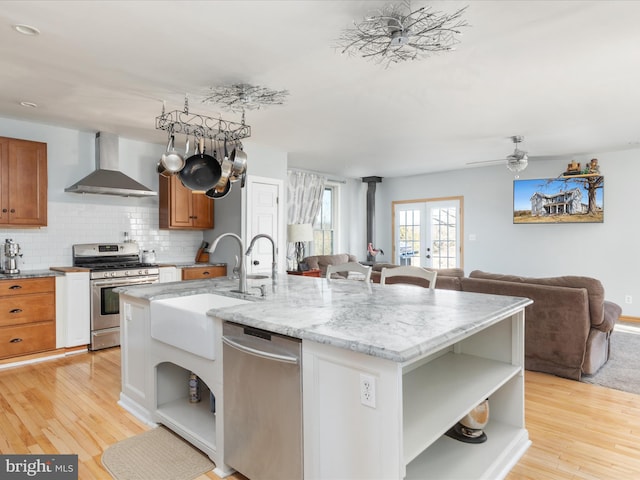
299	233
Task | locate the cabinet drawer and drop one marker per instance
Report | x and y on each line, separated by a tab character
38	307
31	338
22	286
203	272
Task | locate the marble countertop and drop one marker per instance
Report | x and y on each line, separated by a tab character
395	322
30	274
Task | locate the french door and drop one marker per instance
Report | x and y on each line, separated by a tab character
427	233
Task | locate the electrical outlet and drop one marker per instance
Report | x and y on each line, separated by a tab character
628	299
368	390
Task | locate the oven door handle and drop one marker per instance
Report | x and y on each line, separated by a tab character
124	281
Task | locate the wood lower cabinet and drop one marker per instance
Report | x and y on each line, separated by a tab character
27	316
23	183
181	208
198	273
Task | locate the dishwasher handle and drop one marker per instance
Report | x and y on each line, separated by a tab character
241	346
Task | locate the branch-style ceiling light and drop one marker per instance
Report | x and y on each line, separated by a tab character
518	160
397	33
242	96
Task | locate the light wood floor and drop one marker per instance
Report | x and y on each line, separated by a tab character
579	431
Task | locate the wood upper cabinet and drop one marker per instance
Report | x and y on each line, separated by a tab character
181	208
23	183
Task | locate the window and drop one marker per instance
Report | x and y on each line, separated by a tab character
324	227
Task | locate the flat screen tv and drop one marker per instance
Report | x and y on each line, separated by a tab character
571	199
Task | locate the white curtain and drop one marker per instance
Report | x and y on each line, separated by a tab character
304	197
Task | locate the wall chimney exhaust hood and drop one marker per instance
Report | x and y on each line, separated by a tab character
107	179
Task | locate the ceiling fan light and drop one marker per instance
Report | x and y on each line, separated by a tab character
517	165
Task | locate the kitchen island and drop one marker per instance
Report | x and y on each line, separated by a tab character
429	356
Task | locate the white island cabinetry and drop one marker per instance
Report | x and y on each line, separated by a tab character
399	425
385	373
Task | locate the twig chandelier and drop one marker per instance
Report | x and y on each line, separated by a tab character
397	33
242	96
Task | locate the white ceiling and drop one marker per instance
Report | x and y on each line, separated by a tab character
565	74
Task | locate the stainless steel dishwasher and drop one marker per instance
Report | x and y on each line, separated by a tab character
262	403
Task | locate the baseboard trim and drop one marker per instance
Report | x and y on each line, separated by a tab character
625	318
44	356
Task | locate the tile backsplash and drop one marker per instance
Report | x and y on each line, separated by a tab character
71	223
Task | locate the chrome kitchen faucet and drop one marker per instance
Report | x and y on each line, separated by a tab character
242	286
274	263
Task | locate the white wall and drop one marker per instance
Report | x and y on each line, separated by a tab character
606	251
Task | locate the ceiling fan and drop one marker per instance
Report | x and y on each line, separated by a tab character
516	162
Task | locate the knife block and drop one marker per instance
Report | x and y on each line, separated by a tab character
202	257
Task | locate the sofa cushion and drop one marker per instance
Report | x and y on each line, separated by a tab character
321	262
594	288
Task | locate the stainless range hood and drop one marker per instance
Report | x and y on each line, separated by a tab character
107	179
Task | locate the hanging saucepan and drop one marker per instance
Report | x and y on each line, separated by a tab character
171	160
201	172
239	159
226	166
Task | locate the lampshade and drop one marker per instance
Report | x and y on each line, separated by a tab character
300	232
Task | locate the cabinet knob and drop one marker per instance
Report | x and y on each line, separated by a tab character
205	273
13	210
15	287
4	210
15	340
15	310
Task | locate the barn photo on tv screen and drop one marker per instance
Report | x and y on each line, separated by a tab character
576	199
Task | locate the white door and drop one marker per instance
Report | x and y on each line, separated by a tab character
427	233
264	214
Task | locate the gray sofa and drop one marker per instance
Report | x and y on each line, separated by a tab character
321	262
567	327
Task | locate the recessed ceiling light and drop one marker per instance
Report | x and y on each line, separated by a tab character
26	29
29	104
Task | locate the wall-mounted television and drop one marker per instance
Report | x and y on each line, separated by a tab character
570	199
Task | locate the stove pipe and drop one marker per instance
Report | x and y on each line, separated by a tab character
371	210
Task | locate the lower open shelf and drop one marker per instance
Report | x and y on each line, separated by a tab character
195	422
451	459
193	417
439	393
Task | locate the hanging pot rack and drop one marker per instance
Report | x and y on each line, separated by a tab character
187	123
201	128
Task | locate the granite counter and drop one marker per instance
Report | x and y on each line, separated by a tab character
394	322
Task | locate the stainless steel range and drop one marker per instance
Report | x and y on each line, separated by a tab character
111	265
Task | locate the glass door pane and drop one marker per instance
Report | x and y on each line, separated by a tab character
443	242
427	233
